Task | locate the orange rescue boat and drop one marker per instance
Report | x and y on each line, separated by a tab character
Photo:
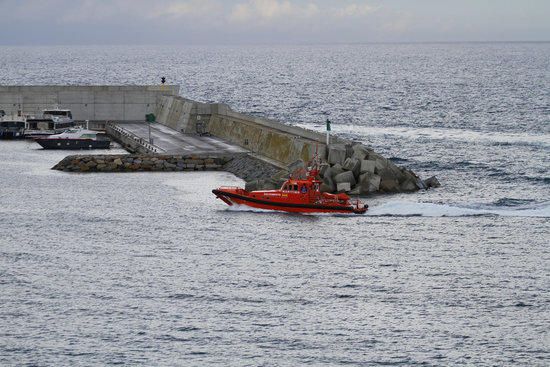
295	195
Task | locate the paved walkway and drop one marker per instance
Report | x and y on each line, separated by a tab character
174	142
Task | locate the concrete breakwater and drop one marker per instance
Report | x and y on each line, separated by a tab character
348	166
353	169
140	162
241	165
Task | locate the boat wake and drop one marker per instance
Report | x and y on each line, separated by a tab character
411	209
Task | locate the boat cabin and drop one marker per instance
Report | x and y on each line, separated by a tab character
54	119
300	186
57	113
12	129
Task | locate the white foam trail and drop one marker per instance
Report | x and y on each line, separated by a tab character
407	209
441	134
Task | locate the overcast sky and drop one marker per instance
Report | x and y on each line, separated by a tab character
52	22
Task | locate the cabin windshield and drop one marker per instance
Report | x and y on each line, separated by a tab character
63	113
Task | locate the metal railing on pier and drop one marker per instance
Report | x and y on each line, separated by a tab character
151	148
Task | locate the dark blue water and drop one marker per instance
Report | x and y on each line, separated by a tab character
149	269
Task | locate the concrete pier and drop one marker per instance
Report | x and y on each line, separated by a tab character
187	127
170	141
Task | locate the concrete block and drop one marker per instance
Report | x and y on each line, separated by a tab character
389	185
323	167
337	154
334	170
369	183
432	182
408	186
328	184
345	177
368	166
355	191
360	152
353	165
343	187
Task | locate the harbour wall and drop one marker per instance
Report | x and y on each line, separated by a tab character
271	139
93	102
351	167
273	145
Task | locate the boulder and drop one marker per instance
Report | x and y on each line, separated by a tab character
353	165
326	188
323	167
345	177
118	162
336	154
408	186
355	191
349	150
334	170
368	166
329	184
432	182
343	187
369	183
381	163
420	184
389	185
360	152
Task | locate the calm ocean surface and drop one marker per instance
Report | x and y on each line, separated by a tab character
150	269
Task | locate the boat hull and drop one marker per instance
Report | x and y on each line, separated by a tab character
73	144
232	198
10	135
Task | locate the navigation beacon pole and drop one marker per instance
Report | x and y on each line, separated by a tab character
328	132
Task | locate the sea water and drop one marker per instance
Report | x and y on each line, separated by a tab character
152	269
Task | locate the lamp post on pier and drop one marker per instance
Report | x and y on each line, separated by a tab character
328	131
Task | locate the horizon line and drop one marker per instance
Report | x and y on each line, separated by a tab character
268	43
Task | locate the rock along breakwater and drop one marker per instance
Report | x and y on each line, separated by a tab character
241	165
141	162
